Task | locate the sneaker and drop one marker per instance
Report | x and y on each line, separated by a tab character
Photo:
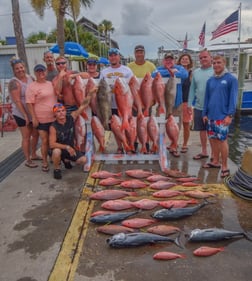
57	174
67	164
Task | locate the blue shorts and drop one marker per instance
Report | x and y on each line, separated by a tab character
198	124
70	108
216	130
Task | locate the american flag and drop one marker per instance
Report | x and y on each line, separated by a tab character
185	44
202	35
228	25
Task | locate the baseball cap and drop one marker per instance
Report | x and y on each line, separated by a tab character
39	67
92	60
139	48
113	51
169	55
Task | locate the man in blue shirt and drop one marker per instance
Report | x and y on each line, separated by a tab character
168	69
219	109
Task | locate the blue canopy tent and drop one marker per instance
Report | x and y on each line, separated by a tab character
71	48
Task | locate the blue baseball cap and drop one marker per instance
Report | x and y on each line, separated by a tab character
38	67
113	51
92	60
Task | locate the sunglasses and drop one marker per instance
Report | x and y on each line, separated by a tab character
60	63
57	106
13	62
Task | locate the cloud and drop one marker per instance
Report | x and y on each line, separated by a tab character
135	19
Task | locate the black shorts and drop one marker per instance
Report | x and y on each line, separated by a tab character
44	126
20	121
65	155
198	124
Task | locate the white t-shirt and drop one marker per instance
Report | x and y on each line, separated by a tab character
111	73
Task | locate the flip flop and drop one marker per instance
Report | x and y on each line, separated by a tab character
174	153
45	168
31	164
225	173
184	149
211	165
200	156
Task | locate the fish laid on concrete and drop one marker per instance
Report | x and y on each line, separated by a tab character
165	193
124	101
104	102
191	184
170	95
122	240
199	194
101	212
117	205
105	174
138	222
174	173
158	177
110	181
177	213
168	256
146	93
99	132
158	88
145	204
187	179
135	90
162	184
215	234
163	229
112	217
138	173
114	229
116	128
172	131
110	194
177	203
206	251
134	183
153	133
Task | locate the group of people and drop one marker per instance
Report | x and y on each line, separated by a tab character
48	105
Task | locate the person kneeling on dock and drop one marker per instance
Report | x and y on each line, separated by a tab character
62	138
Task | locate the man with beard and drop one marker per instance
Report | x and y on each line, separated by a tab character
51	70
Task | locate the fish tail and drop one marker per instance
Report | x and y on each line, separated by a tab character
178	242
248	236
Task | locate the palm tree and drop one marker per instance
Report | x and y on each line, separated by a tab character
61	8
106	27
17	25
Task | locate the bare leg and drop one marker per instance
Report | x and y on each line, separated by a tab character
203	141
34	143
44	146
224	150
186	126
56	158
26	135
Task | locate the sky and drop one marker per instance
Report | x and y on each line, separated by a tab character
151	23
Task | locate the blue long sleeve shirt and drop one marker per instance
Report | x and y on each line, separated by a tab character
221	97
181	73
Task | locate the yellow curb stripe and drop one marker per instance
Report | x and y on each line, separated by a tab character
68	258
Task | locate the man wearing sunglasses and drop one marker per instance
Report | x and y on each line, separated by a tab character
67	85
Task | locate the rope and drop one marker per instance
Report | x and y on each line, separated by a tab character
240	183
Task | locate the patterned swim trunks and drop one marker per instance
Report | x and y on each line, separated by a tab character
216	130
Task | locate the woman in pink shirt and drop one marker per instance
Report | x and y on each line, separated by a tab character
40	99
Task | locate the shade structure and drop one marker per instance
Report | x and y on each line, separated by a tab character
103	60
71	48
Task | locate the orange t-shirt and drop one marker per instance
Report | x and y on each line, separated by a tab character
43	97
